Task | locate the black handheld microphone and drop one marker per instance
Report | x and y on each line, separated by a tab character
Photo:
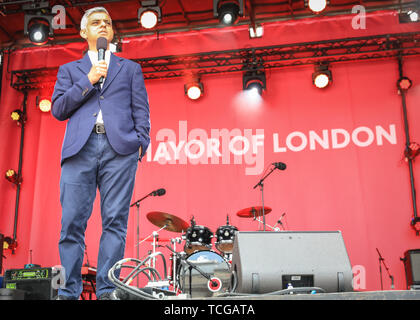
279	165
158	192
101	46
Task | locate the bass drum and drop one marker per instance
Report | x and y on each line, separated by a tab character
209	263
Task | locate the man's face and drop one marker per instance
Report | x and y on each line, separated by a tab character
99	25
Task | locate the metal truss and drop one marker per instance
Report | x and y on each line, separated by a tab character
251	59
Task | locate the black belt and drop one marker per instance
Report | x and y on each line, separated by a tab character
98	128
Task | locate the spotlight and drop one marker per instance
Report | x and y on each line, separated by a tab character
316	6
254	81
322	77
18	116
38	22
415	223
256	31
228	11
194	89
44	104
149	14
408	16
404	83
12	177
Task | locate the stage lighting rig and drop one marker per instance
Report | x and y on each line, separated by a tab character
194	89
149	14
254	81
38	22
228	11
322	76
316	6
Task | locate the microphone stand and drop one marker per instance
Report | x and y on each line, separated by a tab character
382	261
261	184
137	204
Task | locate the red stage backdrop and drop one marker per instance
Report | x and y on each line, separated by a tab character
343	147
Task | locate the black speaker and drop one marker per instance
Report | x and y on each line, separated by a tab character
412	268
265	262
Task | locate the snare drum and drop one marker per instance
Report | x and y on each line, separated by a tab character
197	238
225	237
212	265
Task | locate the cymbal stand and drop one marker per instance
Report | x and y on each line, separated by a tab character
260	183
382	261
174	241
137	204
155	235
274	228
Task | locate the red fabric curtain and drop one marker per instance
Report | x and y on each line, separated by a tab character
343	147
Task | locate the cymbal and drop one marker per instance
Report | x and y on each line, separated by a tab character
172	223
253	212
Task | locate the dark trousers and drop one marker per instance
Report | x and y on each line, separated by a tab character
97	165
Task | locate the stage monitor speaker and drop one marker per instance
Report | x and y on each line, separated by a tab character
264	262
412	268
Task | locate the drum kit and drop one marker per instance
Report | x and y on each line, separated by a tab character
198	270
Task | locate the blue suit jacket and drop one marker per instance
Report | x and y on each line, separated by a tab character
123	101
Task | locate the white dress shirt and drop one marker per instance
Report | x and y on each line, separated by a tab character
94	60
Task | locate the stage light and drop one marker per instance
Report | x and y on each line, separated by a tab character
194	89
254	82
18	116
12	176
38	22
317	6
38	31
228	11
322	77
44	104
149	14
409	16
256	32
415	223
404	83
414	15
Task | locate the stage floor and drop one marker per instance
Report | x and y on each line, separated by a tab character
359	295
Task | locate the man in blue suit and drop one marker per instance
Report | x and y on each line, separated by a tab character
107	133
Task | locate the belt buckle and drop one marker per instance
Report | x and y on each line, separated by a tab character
99	128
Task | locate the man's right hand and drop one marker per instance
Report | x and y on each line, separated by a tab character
97	71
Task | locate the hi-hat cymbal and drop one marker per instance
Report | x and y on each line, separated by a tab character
172	223
253	212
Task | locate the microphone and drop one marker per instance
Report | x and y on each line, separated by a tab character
158	192
101	46
279	165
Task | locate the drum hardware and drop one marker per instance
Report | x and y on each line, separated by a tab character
275	228
277	165
172	277
164	221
